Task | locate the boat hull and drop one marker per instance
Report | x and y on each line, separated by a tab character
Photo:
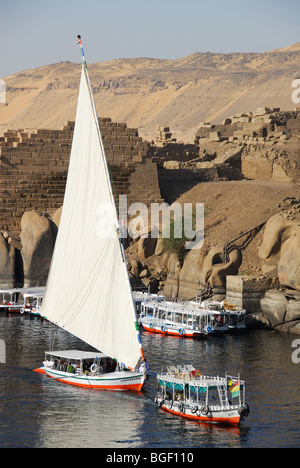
174	332
119	381
224	416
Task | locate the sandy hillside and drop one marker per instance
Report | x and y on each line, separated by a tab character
234	207
147	93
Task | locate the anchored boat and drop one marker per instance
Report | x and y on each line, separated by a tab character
88	291
228	317
190	319
183	391
175	319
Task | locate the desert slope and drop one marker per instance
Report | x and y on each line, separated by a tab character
147	92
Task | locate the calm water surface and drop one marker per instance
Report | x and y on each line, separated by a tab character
38	412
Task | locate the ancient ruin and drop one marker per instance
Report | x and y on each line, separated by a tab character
246	255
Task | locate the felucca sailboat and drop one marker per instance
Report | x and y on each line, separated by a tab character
88	292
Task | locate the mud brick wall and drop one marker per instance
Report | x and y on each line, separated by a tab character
34	165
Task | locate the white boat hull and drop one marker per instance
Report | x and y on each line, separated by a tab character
173	329
122	380
219	415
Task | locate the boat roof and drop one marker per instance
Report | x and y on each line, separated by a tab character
191	308
185	375
180	308
76	355
23	290
36	294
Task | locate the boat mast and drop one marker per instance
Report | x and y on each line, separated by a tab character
110	191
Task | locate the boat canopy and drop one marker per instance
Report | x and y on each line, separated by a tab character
76	355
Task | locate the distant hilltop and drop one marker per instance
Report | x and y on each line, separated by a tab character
148	93
291	48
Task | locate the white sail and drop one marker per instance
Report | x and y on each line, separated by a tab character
88	291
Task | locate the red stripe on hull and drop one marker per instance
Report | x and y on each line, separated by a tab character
40	370
173	333
229	421
134	387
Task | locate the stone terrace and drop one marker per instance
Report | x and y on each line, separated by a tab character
33	169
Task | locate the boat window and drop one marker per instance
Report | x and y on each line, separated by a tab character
213	396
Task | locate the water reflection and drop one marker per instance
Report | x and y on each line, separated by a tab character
38	412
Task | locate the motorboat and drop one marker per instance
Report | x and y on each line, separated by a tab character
184	391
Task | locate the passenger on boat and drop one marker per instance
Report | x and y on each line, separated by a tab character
70	369
144	367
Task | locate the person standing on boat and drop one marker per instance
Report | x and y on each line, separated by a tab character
144	367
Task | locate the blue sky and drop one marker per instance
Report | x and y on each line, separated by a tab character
34	33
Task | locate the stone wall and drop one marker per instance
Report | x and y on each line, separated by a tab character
246	291
269	142
33	169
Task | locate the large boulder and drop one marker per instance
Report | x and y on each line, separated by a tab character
215	271
274	307
171	289
290	327
293	311
277	230
7	262
289	263
191	277
38	235
146	247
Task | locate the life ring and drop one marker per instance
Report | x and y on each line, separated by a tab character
22	310
163	328
180	331
204	410
209	329
194	409
94	368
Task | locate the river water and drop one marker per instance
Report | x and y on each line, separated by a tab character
36	411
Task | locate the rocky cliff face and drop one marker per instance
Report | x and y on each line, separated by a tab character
251	231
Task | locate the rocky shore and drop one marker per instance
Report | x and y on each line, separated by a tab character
245	171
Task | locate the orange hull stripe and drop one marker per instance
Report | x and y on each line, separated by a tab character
151	330
231	421
40	370
134	387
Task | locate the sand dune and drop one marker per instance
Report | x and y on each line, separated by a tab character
146	93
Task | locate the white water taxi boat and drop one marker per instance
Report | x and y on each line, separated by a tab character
9	301
13	300
88	292
33	303
184	392
93	370
232	316
190	319
171	318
